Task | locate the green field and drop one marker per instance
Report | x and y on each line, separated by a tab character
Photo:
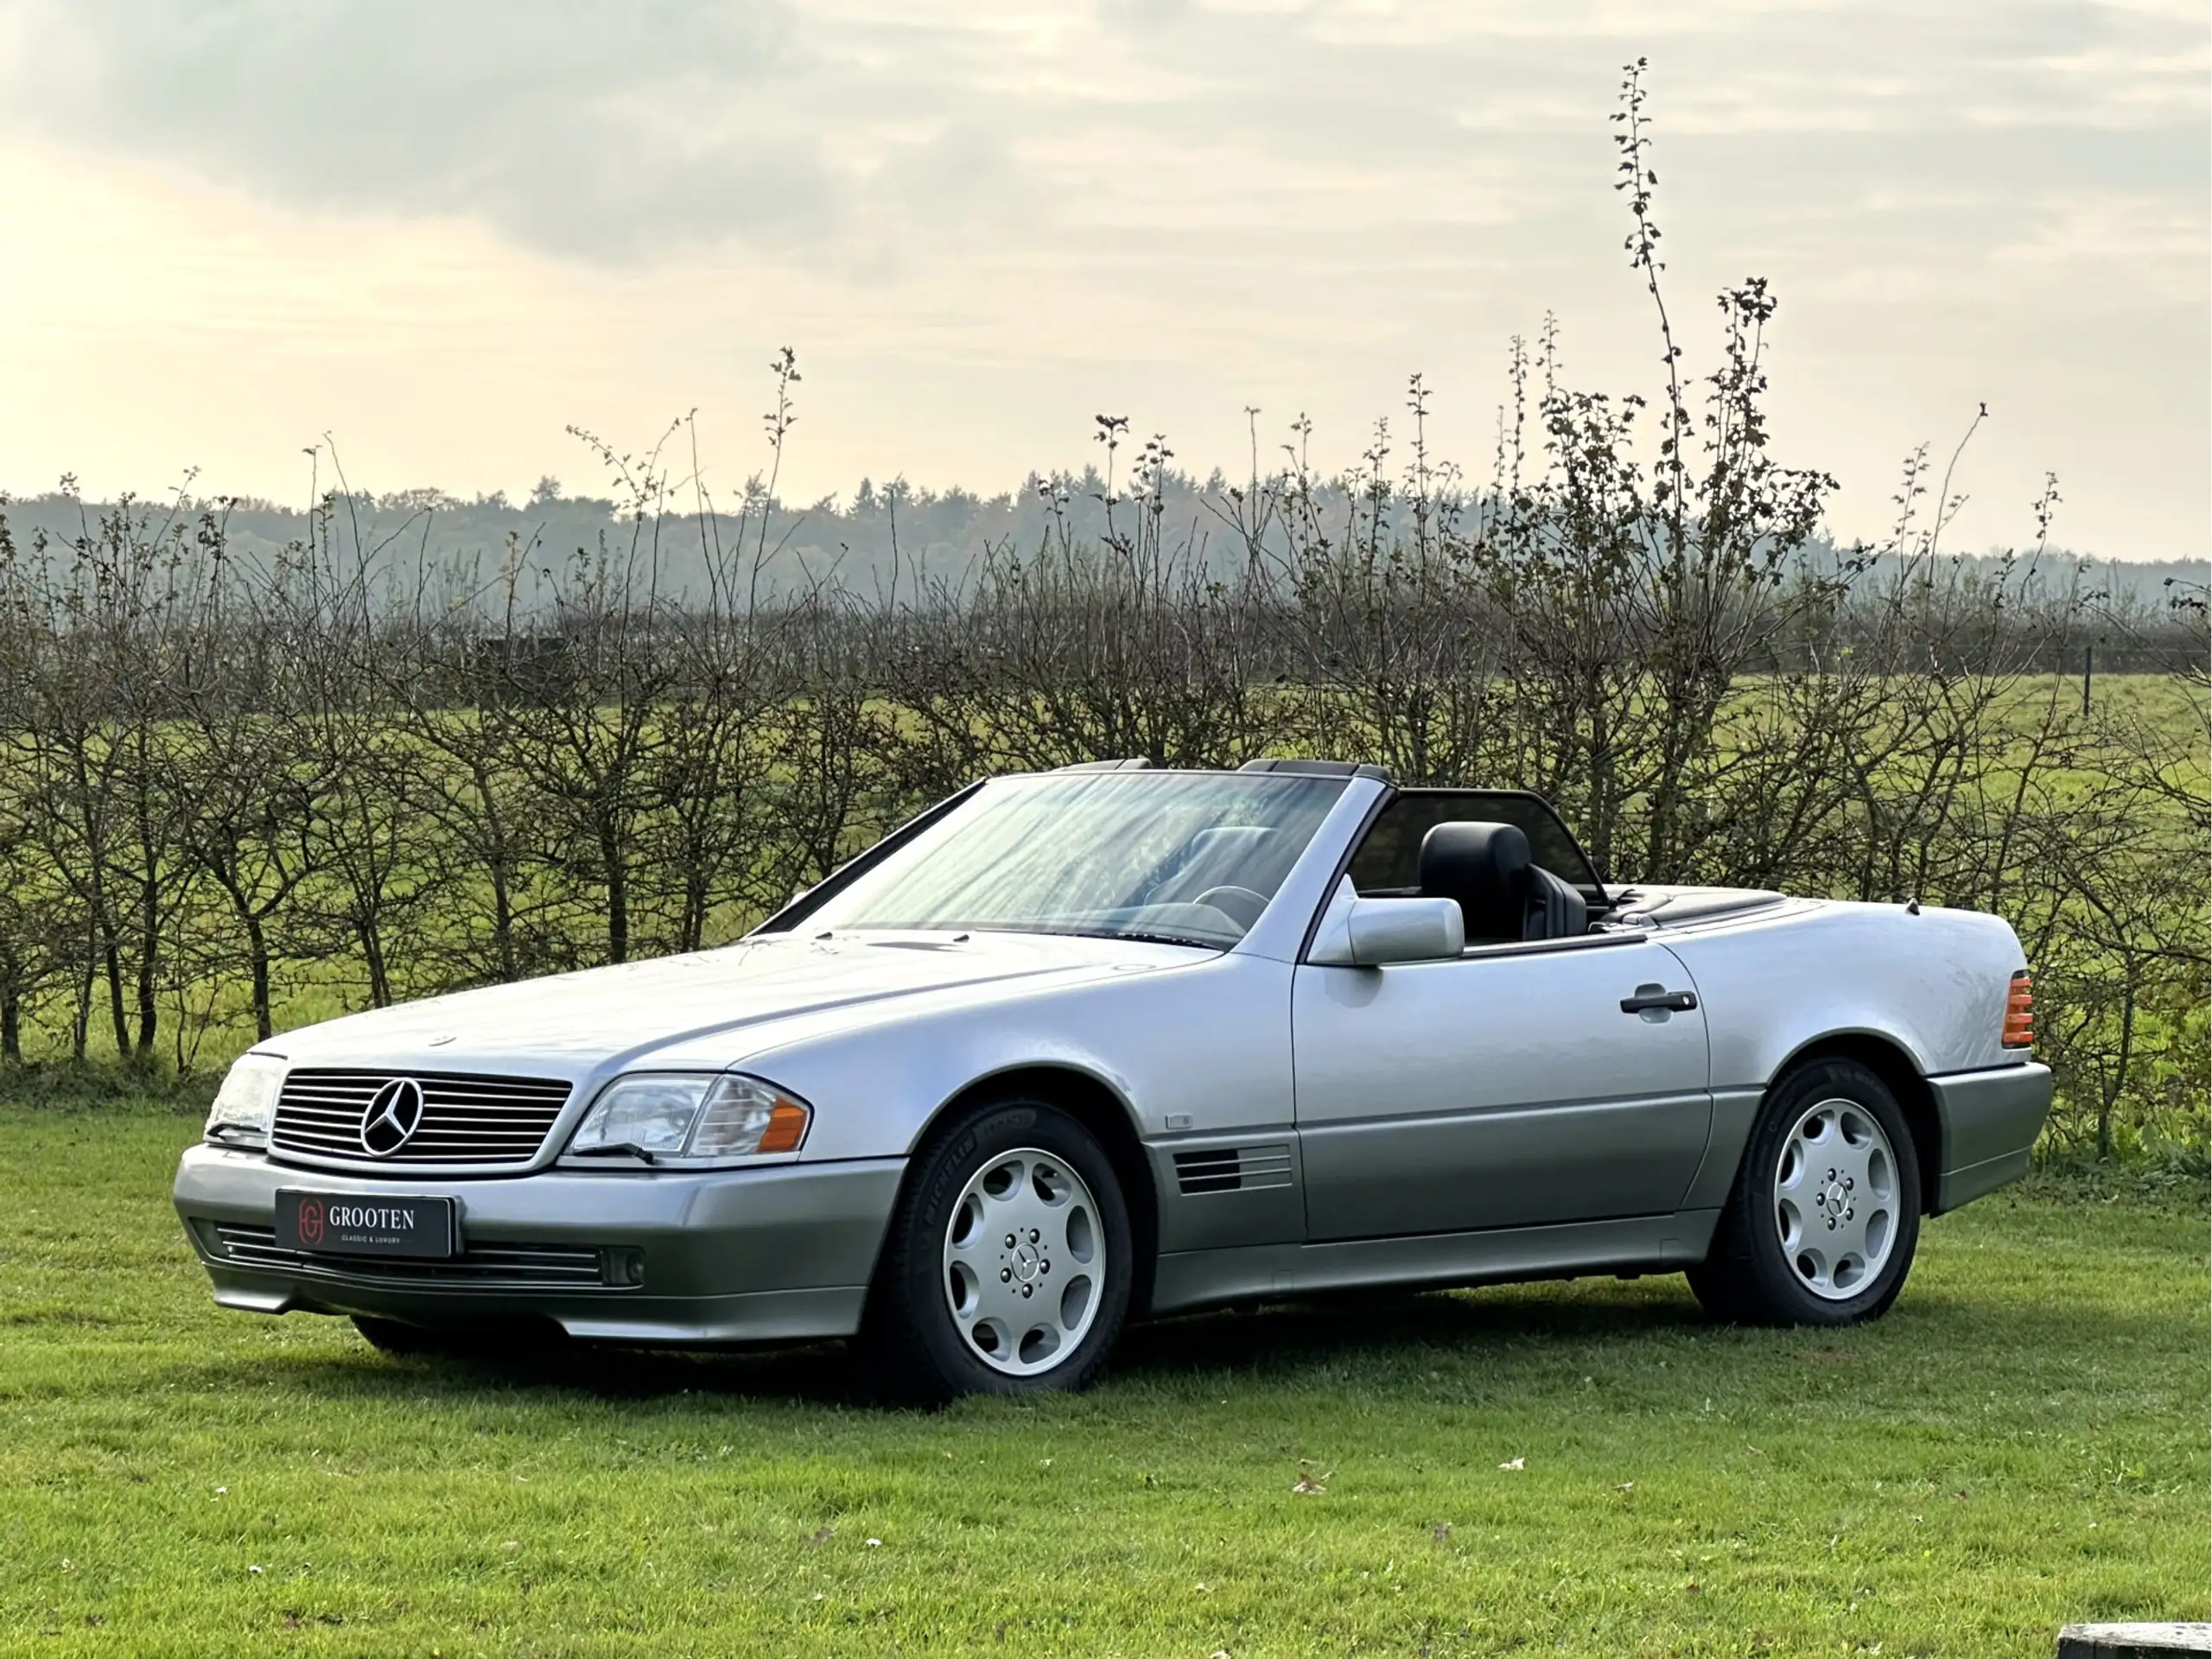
2021	1442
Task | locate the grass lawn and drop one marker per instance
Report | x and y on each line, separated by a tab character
2021	1442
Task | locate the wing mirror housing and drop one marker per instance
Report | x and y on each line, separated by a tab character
1357	932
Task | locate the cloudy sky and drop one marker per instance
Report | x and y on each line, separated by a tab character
443	231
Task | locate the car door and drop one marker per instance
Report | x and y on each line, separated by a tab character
1510	1087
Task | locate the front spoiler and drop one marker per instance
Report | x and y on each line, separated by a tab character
778	1254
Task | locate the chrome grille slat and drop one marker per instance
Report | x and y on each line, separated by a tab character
496	1114
487	1108
466	1118
459	1109
318	1101
425	1146
485	1266
348	1131
350	1126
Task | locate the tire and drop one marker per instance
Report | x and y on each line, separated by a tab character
956	1309
1825	1216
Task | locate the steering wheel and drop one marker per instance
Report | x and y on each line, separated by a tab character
1241	905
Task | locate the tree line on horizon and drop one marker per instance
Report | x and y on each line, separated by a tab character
885	537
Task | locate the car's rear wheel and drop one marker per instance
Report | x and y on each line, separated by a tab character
1822	1226
1009	1261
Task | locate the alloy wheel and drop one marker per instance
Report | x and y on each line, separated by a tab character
1024	1259
1835	1199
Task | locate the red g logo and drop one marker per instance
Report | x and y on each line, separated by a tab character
310	1222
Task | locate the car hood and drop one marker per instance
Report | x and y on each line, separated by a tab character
723	1002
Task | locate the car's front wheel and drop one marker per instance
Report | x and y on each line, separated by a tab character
1825	1216
1009	1263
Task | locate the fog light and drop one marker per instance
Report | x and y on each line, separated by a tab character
625	1267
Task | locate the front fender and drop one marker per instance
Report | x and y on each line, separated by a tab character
1199	1049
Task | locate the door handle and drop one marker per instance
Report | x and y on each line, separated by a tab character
1656	998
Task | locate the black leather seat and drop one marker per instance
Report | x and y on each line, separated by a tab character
1556	910
1502	893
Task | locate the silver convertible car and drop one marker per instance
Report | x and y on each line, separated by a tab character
1076	1047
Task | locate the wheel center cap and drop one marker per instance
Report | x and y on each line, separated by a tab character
1025	1259
1836	1195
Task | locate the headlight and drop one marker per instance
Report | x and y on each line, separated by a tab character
685	1117
246	1103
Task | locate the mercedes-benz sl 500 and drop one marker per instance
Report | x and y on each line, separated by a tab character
1078	1047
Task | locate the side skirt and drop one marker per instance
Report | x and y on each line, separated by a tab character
1188	1279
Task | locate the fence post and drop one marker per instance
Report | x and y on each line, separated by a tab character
2133	1641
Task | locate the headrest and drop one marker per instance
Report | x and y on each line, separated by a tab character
1484	867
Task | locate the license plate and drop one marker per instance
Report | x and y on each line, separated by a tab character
357	1223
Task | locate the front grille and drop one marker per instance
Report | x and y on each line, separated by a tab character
481	1266
1232	1169
466	1120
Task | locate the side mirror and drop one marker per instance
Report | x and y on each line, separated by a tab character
1359	932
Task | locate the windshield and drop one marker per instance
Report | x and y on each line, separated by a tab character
1188	857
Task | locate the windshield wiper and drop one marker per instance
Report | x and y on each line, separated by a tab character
1145	938
616	1149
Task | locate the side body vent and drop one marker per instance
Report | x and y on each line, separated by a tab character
1232	1169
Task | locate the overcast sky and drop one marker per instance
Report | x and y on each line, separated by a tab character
443	231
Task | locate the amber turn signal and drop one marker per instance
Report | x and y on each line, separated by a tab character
787	1124
2020	1012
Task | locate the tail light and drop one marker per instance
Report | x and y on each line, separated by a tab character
2020	1012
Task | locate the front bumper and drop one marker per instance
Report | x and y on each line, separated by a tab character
1990	1121
776	1254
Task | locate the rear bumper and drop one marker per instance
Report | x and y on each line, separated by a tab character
771	1254
1990	1121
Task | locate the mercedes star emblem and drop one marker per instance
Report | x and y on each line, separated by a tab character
395	1112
